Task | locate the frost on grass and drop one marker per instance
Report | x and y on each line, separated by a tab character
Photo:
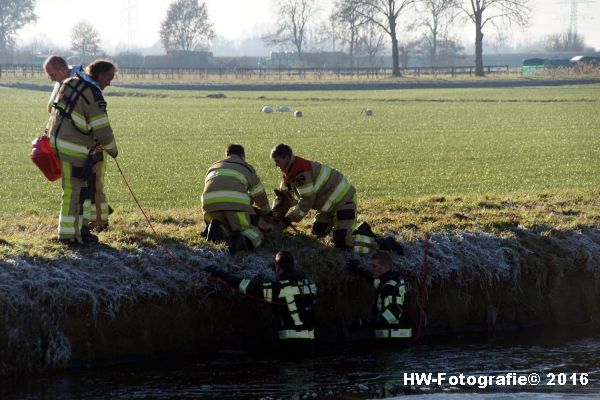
38	296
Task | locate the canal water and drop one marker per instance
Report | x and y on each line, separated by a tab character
567	364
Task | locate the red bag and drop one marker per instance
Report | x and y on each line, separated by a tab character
43	156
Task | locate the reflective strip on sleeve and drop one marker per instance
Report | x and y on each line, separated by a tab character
393	333
111	146
99	121
292	334
362	244
258	189
322	178
390	317
296	214
338	194
306	190
231	173
244	285
80	122
225	196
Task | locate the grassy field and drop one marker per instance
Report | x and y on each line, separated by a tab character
483	159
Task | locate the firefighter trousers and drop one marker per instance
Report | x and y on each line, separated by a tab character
340	220
95	206
236	221
74	189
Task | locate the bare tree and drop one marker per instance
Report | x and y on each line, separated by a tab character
566	41
85	40
406	48
372	42
440	14
385	13
186	26
293	17
480	12
14	14
350	19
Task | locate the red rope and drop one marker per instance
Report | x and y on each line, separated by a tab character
423	292
176	259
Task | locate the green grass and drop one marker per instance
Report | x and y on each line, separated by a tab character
536	147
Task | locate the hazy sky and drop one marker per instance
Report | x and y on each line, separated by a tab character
236	19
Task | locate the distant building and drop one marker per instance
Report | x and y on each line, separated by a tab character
180	59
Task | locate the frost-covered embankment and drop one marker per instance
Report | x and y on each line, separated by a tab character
109	306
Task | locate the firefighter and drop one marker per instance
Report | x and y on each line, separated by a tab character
96	208
321	188
95	215
231	187
294	297
78	124
57	69
390	319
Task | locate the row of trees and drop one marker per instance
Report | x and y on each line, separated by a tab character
352	21
356	26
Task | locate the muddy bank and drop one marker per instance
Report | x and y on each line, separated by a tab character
95	308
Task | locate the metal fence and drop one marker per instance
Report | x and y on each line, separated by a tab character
21	71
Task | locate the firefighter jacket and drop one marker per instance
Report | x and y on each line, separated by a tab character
390	320
318	186
233	185
79	122
294	296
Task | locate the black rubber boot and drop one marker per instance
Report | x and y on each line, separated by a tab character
215	232
238	242
87	236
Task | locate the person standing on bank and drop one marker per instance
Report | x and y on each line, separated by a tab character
390	319
96	208
78	125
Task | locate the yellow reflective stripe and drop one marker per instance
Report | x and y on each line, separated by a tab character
268	294
323	177
112	145
306	190
225	196
80	122
292	334
244	285
258	189
388	300
253	236
338	194
99	121
393	333
296	214
231	173
243	220
72	149
390	317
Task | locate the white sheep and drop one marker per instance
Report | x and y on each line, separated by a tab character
297	113
283	109
267	109
367	112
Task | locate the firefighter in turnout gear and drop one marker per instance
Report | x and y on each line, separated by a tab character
231	187
96	209
293	295
390	319
321	188
78	124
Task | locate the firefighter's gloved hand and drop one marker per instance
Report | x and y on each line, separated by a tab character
356	325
